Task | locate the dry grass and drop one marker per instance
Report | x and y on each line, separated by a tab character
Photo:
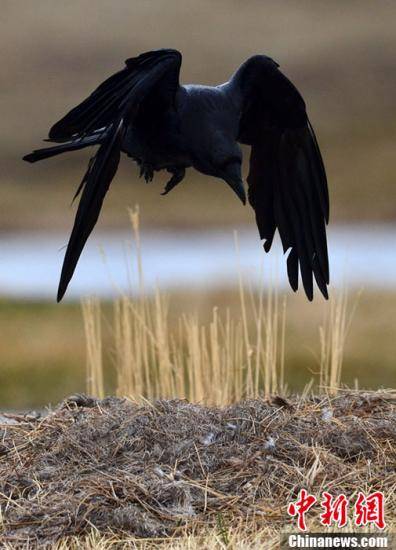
93	336
226	359
142	472
207	449
42	346
170	468
242	535
332	337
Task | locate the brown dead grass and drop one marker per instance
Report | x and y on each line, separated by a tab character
170	467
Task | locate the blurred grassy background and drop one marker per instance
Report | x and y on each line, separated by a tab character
339	54
42	348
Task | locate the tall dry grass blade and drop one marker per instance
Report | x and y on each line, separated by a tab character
134	216
93	338
205	363
214	359
129	354
249	376
282	386
259	330
230	358
332	337
274	342
338	316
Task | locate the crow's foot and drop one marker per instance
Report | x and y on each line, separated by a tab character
177	176
147	171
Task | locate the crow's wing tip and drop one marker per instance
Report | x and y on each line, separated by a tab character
60	294
29	158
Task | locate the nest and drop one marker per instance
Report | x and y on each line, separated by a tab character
154	470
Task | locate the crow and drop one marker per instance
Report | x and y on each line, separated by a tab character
144	112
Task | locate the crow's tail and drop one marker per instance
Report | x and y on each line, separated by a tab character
47	152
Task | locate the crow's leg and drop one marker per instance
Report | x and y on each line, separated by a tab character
178	174
147	171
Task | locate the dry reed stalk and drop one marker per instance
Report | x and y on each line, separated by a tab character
282	348
338	315
134	216
332	337
213	363
164	363
205	363
93	336
229	359
248	350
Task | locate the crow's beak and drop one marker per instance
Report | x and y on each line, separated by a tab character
232	176
237	187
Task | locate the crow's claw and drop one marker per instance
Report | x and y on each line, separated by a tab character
147	171
177	176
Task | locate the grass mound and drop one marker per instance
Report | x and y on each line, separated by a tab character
163	468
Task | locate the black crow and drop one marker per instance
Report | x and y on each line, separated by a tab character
145	112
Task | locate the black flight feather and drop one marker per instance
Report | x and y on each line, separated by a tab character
97	181
287	179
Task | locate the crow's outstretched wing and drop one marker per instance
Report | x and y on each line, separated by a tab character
152	76
122	93
287	180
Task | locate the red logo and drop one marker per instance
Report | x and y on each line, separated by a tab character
367	509
370	509
301	507
335	510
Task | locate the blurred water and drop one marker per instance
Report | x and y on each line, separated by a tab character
360	256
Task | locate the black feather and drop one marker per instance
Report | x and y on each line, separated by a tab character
316	216
125	88
47	152
101	119
292	268
261	192
291	198
287	179
97	181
